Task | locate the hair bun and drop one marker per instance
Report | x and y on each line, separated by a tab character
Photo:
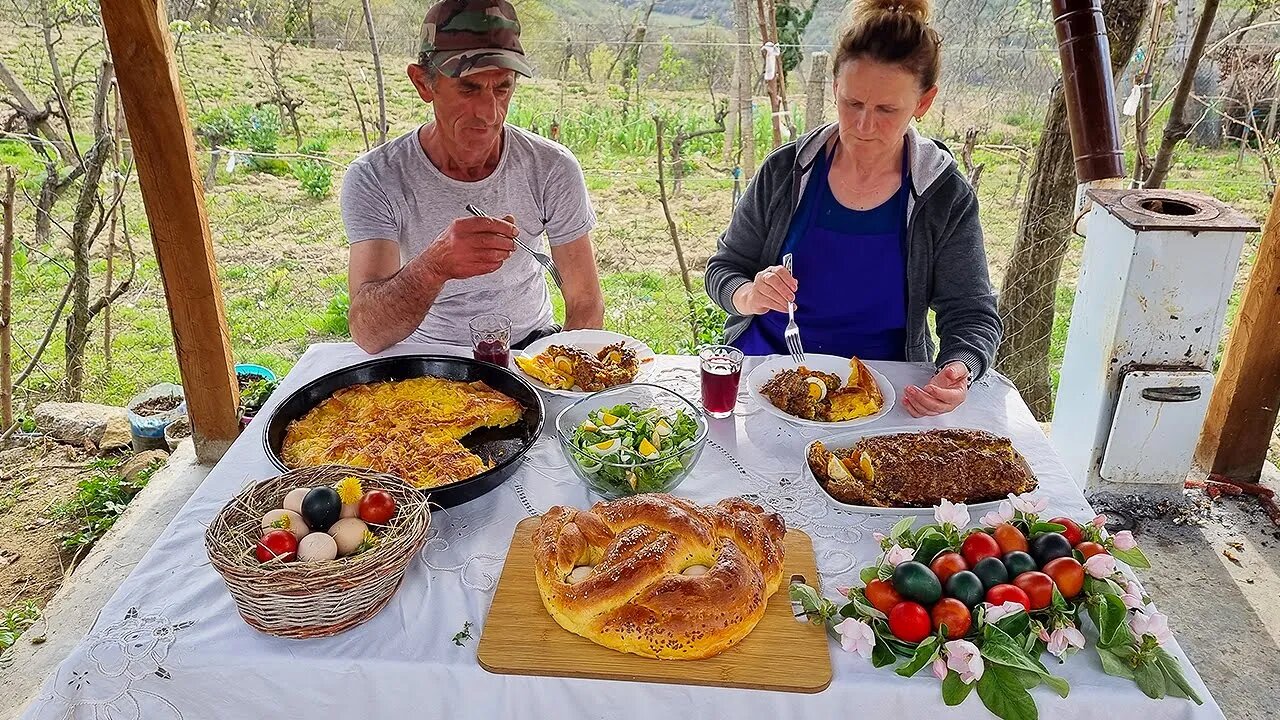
865	9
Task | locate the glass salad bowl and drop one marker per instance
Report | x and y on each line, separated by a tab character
632	439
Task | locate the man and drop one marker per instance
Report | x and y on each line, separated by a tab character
421	267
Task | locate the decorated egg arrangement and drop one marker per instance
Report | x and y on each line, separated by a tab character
324	523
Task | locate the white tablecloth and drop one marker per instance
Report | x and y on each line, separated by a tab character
170	645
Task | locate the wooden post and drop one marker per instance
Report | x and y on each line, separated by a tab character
1242	411
6	288
775	99
165	154
746	78
815	106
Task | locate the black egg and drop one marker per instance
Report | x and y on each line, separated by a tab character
321	508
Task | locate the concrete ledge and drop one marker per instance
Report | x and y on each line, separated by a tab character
73	610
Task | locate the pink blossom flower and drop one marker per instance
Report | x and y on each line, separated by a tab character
1001	515
947	512
1123	540
1132	596
1100	521
996	612
1101	565
965	658
940	668
843	590
879	536
898	555
1063	638
856	637
1028	505
1043	634
1149	622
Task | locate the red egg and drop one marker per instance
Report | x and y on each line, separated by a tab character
279	544
377	507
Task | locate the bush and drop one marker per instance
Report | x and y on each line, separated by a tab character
314	175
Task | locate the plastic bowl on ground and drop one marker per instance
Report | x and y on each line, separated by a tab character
618	469
258	370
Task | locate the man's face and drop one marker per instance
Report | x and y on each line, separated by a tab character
469	110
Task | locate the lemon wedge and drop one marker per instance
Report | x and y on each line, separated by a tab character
817	389
836	469
564	365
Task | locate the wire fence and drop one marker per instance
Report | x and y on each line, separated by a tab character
278	235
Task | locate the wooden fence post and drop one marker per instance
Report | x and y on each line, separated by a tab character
164	150
1242	412
815	106
6	286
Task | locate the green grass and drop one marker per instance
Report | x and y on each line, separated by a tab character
99	501
14	621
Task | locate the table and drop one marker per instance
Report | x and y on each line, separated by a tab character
170	646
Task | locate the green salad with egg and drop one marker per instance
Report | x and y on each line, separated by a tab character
626	450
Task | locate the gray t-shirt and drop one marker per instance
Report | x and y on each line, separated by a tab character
395	192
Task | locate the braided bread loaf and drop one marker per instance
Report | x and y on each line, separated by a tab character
657	575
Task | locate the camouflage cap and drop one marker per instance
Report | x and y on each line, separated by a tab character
460	37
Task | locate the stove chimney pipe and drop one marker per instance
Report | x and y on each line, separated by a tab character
1089	90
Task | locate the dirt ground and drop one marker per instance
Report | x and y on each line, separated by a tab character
33	478
1215	571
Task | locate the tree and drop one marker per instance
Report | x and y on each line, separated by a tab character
1177	127
1029	291
792	24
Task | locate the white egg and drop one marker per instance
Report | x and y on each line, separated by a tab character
295	523
580	573
317	546
348	533
293	500
696	570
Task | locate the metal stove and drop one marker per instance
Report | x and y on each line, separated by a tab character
1158	271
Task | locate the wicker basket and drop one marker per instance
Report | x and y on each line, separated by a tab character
310	600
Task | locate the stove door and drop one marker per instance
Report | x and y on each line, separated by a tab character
1156	426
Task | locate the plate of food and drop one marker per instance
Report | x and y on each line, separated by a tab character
825	391
453	427
577	363
907	471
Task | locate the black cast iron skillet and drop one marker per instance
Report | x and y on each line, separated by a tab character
505	447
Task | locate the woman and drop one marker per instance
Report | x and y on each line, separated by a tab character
880	222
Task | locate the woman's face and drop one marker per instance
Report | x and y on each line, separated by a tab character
875	102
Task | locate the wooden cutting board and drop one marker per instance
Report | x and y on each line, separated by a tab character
521	638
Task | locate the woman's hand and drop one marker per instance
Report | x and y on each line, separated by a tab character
773	289
943	394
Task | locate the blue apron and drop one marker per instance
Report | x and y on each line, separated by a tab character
851	269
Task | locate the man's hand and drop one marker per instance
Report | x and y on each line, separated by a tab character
773	289
471	246
943	394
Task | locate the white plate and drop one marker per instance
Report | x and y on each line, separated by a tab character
824	363
976	511
591	341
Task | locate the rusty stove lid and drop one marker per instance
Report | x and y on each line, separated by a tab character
1144	210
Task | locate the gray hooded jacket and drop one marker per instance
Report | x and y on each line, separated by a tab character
946	261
